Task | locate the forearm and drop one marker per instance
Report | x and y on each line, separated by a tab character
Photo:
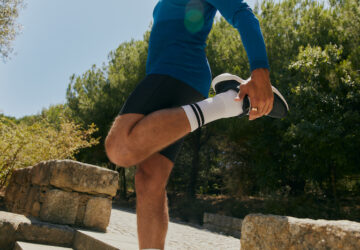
240	16
249	28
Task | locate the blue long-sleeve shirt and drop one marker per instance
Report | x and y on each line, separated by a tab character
178	38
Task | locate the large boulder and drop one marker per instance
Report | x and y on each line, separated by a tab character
64	192
270	232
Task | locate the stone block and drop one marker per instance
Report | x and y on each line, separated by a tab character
223	224
227	222
9	223
10	197
60	207
15	227
83	200
85	178
19	192
85	240
269	232
32	197
211	227
237	223
206	218
41	173
46	233
64	192
19	202
20	245
35	209
22	176
97	214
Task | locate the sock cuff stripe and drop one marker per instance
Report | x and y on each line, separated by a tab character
196	114
201	114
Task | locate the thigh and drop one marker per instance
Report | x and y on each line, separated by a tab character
157	92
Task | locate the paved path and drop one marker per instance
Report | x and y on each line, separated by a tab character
180	236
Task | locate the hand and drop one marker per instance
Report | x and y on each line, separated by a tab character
258	88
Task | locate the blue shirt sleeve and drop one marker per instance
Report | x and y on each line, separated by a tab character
241	17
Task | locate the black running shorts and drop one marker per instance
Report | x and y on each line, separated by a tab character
157	92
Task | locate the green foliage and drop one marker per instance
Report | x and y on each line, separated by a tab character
26	142
9	11
322	134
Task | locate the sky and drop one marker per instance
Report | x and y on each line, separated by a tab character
60	38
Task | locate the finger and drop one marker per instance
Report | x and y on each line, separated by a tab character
254	114
262	108
242	93
269	107
237	97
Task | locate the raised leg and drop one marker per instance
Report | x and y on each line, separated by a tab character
135	137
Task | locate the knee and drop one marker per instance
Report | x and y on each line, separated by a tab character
148	184
119	148
119	152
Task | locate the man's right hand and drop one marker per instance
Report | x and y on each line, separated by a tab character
258	88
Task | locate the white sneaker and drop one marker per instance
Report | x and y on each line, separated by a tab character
226	81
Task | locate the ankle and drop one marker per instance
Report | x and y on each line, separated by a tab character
220	106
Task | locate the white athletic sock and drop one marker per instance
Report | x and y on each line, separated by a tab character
220	106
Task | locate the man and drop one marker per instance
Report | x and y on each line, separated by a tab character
169	103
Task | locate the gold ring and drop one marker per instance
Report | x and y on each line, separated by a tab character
254	109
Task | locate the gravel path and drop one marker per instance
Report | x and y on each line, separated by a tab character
179	236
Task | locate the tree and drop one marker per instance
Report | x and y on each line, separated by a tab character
9	12
327	91
27	142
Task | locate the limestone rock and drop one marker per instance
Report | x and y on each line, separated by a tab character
41	173
42	232
60	207
22	176
15	227
64	192
269	232
9	223
97	214
16	196
84	178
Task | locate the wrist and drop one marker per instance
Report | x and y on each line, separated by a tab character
260	72
261	75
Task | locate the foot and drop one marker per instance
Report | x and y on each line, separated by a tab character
226	81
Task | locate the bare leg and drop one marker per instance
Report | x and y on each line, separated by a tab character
135	137
151	201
